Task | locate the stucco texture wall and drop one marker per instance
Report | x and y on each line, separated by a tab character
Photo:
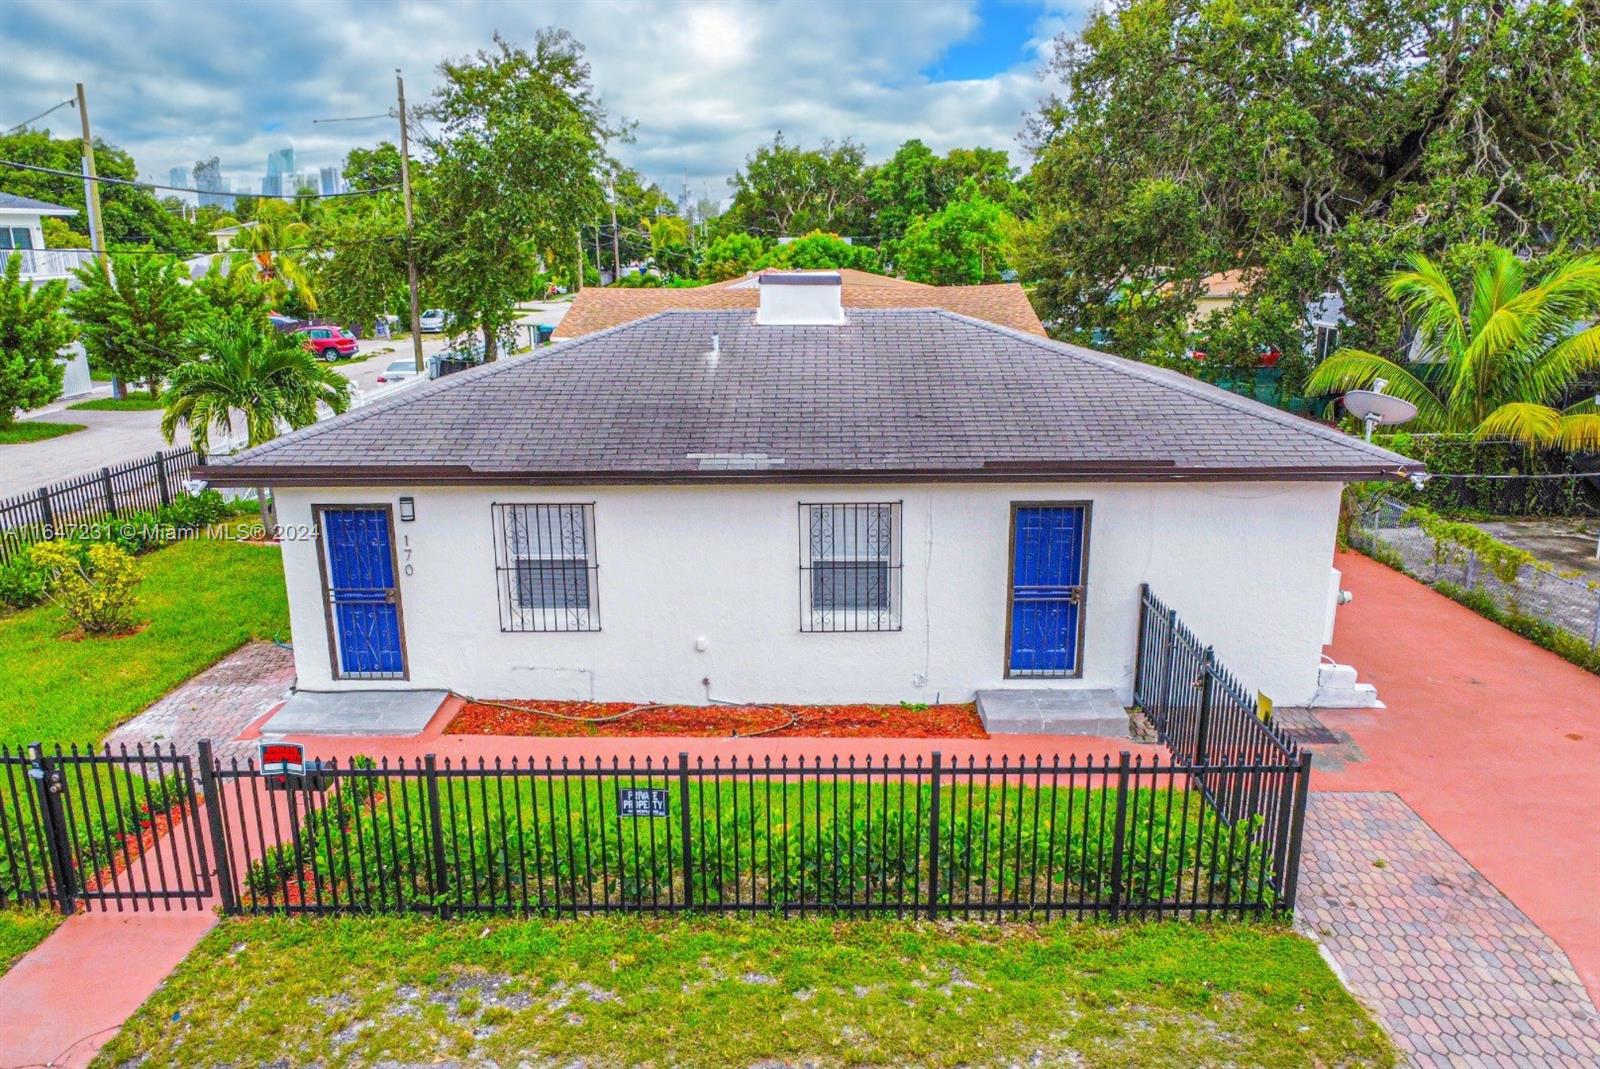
1247	565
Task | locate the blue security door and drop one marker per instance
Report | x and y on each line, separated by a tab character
364	603
1046	596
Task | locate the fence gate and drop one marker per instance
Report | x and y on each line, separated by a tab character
114	830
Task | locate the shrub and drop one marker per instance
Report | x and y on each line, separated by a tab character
22	581
95	586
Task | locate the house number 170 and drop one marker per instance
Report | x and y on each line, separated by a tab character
405	555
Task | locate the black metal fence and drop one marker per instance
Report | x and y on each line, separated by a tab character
114	829
141	485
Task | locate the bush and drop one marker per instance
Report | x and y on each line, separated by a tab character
94	586
22	581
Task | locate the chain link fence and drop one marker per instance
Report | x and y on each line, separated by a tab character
1384	530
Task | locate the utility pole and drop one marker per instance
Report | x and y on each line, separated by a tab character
91	204
91	192
616	238
411	225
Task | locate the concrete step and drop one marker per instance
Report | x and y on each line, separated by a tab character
1053	711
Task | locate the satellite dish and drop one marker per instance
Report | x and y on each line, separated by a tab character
1377	409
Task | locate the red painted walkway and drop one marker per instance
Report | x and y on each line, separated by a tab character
1490	739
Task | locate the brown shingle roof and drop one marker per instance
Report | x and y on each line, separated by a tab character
891	394
1004	303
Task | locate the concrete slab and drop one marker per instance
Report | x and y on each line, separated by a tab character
355	712
1077	711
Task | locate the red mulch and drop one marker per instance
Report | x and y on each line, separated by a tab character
814	721
126	850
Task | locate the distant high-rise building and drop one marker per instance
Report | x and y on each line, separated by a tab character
280	179
207	176
178	176
332	181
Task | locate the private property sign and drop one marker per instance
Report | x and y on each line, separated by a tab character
641	801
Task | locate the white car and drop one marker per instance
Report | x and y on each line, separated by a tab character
399	370
435	321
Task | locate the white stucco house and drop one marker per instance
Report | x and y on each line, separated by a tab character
22	238
802	504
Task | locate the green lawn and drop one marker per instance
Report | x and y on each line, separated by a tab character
739	992
200	600
21	930
131	403
35	431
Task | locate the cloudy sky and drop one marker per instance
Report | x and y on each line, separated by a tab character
705	80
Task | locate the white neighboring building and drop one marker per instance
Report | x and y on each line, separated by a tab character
22	236
908	505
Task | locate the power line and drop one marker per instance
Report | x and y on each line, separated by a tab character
41	115
357	118
183	189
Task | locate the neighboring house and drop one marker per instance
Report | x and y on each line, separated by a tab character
1323	315
807	503
224	235
599	309
22	237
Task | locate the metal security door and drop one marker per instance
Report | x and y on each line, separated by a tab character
365	628
1046	594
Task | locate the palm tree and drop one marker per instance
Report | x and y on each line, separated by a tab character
251	371
276	245
1501	362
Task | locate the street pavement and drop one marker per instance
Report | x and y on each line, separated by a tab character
113	437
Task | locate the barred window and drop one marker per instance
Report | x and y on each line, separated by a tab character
850	567
546	567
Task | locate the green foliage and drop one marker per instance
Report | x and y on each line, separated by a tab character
731	256
914	184
23	929
277	249
133	215
785	190
35	430
365	266
136	325
59	235
1486	496
1201	135
95	587
521	136
373	168
238	292
962	243
819	251
33	330
1502	350
267	378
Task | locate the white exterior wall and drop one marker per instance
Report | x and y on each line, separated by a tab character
1246	565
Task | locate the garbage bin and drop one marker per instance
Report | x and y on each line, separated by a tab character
545	330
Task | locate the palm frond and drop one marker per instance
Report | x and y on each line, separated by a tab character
1520	421
1356	369
1571	358
1579	433
1427	297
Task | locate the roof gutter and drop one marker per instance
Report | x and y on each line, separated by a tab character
1098	471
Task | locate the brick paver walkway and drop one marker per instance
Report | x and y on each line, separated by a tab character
1457	974
218	704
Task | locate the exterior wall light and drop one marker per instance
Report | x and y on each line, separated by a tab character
408	509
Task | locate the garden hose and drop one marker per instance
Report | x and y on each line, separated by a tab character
611	718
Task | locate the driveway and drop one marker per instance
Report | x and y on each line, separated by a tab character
111	437
1492	741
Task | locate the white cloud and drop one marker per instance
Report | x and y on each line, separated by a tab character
705	81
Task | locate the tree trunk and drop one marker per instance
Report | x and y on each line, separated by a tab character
489	342
263	502
119	390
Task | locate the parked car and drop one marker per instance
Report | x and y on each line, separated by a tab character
435	321
399	370
329	343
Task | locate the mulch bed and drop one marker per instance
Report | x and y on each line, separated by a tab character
714	721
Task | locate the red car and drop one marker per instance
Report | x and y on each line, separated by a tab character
329	343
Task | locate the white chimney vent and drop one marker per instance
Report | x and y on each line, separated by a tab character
801	298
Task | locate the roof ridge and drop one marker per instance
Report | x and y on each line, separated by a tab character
1196	388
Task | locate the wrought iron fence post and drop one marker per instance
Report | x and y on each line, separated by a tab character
111	496
1302	790
1594	630
212	797
1139	655
1171	648
436	884
48	782
1118	835
933	841
683	829
161	478
47	515
1202	731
